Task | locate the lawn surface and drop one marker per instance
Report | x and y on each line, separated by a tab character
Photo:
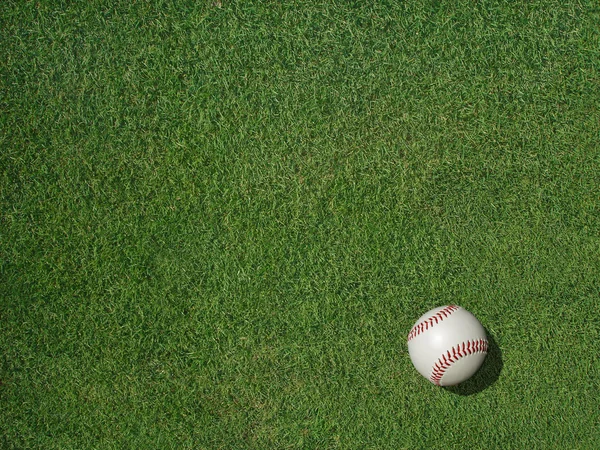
219	221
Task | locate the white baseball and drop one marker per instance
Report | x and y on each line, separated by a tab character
447	345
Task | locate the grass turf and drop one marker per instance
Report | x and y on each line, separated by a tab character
219	222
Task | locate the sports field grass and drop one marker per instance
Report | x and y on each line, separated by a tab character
220	220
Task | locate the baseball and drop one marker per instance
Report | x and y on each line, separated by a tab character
447	345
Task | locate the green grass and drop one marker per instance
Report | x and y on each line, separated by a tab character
218	223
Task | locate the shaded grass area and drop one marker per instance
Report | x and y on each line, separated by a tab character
219	223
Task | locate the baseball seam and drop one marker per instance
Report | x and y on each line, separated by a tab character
431	321
454	354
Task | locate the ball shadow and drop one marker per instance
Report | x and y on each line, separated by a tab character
487	375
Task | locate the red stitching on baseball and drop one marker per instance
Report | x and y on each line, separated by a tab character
460	351
425	324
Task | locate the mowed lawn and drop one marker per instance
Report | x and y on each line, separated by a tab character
219	221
